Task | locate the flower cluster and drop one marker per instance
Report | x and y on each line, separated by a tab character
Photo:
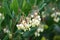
39	29
33	21
6	30
56	16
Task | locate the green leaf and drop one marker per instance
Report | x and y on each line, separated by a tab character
6	9
24	3
14	6
42	6
6	37
29	33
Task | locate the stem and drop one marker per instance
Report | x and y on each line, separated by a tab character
0	26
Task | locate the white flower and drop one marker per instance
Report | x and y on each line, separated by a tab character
56	19
53	15
0	14
21	32
35	22
30	21
23	21
43	13
24	29
20	26
6	30
53	9
10	35
35	13
27	26
29	29
40	29
38	18
58	13
37	34
32	16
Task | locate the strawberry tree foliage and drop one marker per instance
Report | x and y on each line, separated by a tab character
29	19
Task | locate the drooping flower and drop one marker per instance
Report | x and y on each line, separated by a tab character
20	26
40	29
1	16
37	34
6	30
56	19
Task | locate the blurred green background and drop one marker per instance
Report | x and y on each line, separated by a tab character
12	10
